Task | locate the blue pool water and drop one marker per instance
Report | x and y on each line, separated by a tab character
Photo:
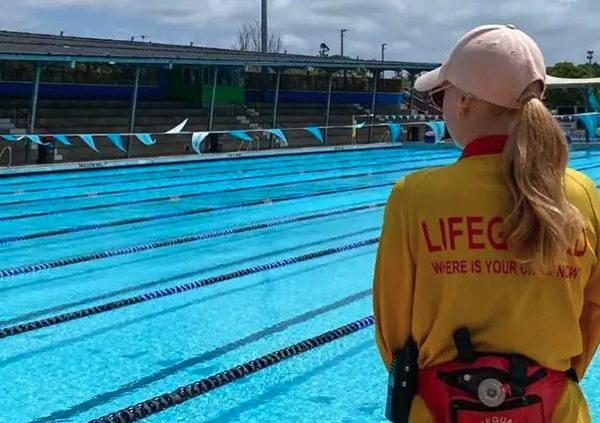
90	366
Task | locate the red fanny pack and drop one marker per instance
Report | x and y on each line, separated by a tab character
491	389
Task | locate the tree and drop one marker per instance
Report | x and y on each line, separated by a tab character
248	38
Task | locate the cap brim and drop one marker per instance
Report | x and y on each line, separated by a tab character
430	80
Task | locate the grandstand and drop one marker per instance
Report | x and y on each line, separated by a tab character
69	85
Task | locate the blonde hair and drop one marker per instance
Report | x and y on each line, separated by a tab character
543	224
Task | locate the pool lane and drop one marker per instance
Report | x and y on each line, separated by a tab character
88	367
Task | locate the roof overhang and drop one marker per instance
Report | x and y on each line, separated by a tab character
276	62
554	82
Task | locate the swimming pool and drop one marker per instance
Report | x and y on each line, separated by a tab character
265	252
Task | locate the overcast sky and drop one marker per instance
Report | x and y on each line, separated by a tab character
414	30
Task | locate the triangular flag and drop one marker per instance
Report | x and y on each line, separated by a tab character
240	134
89	140
116	140
439	128
62	139
592	102
178	128
278	133
395	130
197	138
12	138
146	139
590	122
360	125
35	139
316	132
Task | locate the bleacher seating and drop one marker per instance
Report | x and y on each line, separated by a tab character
98	117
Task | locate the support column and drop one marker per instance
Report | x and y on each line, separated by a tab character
275	105
33	108
134	97
373	104
412	94
328	111
213	97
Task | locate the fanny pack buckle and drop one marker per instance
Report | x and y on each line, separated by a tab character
492	393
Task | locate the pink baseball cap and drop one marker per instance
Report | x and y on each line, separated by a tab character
494	63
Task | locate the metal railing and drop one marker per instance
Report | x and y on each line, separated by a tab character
257	117
249	144
385	137
420	104
10	155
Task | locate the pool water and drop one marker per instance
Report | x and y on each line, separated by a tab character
72	241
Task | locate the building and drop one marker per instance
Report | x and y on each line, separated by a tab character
88	68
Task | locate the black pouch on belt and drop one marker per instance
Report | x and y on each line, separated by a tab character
402	383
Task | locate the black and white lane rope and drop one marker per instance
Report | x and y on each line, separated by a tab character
99	255
177	197
161	293
188	183
185	393
173	215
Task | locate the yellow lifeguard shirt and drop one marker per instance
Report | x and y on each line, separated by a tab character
442	264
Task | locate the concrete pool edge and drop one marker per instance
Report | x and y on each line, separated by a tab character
172	160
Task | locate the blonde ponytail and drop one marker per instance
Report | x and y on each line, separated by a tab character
543	224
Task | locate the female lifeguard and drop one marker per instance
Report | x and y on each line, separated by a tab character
487	270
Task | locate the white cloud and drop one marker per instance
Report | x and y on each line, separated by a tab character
422	30
294	43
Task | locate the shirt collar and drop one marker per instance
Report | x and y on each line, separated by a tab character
483	146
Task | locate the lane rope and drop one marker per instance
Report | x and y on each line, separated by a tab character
194	175
171	215
239	189
173	167
161	293
218	181
185	393
207	193
178	241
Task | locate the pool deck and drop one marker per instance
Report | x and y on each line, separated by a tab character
165	160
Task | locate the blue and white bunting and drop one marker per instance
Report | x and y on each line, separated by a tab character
12	138
439	129
178	128
240	134
116	140
197	138
89	140
146	139
62	139
279	134
35	139
316	132
395	130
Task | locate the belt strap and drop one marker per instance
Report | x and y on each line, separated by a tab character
464	346
518	374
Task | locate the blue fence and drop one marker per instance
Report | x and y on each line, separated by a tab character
85	91
80	91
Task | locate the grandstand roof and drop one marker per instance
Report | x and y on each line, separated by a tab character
56	48
555	82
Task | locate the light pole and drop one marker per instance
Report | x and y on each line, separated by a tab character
342	41
383	58
264	38
590	57
264	49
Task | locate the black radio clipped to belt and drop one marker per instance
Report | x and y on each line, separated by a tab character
402	383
